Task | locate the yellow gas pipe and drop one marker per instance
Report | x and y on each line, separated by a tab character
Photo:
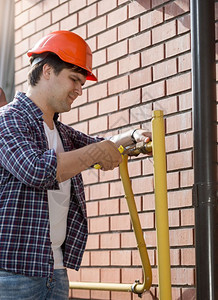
161	206
136	287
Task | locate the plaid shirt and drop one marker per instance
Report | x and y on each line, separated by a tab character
27	171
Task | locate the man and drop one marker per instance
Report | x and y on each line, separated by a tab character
43	226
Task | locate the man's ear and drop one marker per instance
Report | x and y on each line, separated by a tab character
46	71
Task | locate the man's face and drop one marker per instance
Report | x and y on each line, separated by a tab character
64	88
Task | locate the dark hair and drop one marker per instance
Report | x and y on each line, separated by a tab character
55	62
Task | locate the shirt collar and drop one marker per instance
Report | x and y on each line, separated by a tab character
28	105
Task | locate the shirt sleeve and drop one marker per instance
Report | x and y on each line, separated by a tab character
20	155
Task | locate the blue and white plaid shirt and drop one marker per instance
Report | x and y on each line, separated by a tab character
27	171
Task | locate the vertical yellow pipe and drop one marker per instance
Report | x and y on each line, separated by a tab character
161	205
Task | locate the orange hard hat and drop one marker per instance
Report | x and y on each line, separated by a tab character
69	46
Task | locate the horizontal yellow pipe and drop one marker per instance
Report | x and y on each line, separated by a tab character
136	287
161	205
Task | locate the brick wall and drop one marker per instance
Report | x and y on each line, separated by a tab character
141	55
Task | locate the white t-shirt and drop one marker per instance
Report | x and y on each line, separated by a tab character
58	201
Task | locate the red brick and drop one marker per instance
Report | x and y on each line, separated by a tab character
77	294
175	257
99	191
100	295
187	217
43	21
121	222
124	206
116	189
99	224
171	142
106	6
100	258
179	83
140	77
132	274
128	29
176	8
148	202
179	160
110	241
164	32
178	45
165	69
148	166
97	124
28	29
110	275
72	20
188	256
184	24
141	113
182	276
143	185
140	41
99	58
21	19
88	111
134	168
185	101
182	198
86	259
21	48
120	295
108	105
60	12
172	180
70	117
36	11
179	122
81	30
187	178
118	119
117	50
21	75
153	91
184	62
147	220
136	260
152	55
138	7
181	237
96	26
174	218
109	175
92	208
73	275
188	293
130	98
83	127
90	274
49	5
121	258
108	207
152	18
150	238
107	71
90	11
129	63
107	38
168	105
97	91
186	140
117	16
118	85
93	242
